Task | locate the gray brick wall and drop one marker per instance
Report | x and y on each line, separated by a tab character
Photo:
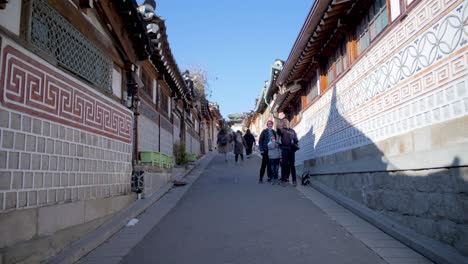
45	163
432	202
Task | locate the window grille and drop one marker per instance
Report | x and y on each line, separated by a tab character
55	36
375	20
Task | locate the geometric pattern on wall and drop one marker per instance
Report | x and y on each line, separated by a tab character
31	87
389	99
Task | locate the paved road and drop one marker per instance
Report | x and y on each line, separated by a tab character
227	217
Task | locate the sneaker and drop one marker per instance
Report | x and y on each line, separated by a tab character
269	180
260	181
294	184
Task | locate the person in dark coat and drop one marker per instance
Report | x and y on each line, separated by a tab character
249	140
239	145
288	145
265	137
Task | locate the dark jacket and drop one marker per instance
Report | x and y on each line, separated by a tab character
264	139
287	137
249	139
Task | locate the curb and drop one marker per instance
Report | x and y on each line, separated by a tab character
89	242
430	248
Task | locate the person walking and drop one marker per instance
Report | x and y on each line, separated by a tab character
265	137
274	155
239	145
223	142
249	141
289	146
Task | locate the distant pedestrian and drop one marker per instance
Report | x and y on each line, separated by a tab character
250	141
274	155
223	142
289	146
239	145
265	137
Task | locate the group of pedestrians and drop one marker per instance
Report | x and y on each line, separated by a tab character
229	141
278	150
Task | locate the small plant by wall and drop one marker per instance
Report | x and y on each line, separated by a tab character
179	153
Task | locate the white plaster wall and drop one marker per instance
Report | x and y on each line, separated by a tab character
377	100
148	136
10	16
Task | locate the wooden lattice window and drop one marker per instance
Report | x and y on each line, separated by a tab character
373	22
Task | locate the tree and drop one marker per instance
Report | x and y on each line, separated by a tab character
201	86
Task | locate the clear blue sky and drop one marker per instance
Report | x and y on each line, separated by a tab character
235	41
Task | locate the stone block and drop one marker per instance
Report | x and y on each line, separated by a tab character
5	180
49	146
62	132
422	139
105	206
58	148
76	136
30	143
44	162
79	151
1	203
53	163
20	141
8	139
66	148
68	195
35	161
51	196
53	130
15	122
61	195
72	149
61	164
24	222
3	159
10	200
26	124
69	134
17	180
76	164
82	137
41	145
71	179
48	180
78	179
4	118
38	179
45	128
22	199
54	218
32	198
42	197
64	179
28	180
56	179
37	126
25	161
68	164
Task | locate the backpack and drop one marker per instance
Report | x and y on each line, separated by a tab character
223	140
239	139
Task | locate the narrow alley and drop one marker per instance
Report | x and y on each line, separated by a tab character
227	217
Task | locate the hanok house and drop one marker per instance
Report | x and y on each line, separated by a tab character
66	134
264	110
377	92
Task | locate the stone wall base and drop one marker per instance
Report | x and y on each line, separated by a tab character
48	230
432	202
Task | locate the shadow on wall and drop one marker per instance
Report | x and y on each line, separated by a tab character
432	201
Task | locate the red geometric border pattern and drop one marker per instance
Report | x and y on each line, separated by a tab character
32	87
